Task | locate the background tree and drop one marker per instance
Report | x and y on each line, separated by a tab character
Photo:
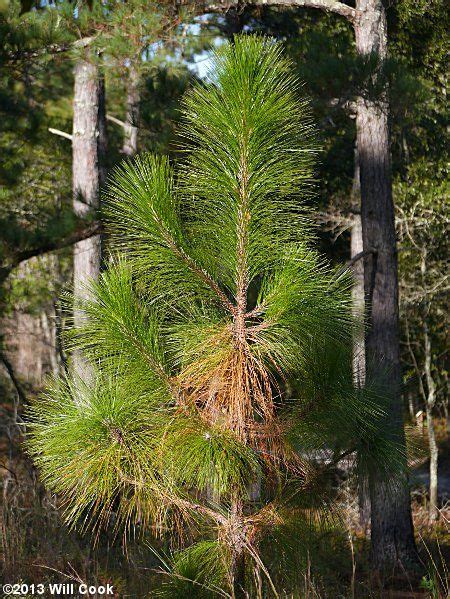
420	190
153	32
36	213
87	175
423	226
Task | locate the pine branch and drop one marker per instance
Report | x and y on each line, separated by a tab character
149	219
34	54
201	509
117	121
58	244
28	55
60	133
339	8
205	277
359	256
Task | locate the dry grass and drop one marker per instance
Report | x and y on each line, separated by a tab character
37	547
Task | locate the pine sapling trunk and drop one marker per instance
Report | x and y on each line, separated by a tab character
392	529
238	549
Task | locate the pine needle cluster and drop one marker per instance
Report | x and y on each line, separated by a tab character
220	342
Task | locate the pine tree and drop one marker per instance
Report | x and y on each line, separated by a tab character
221	344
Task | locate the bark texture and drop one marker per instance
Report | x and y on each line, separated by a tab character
392	538
86	179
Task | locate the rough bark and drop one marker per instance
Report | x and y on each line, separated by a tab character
130	141
392	538
85	180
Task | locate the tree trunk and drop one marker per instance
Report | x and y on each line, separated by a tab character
86	181
434	454
358	304
238	558
102	133
412	407
30	333
130	142
392	538
430	403
447	417
239	591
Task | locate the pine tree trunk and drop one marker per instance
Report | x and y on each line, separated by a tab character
392	538
85	180
130	142
102	133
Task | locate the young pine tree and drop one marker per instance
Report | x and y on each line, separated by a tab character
221	344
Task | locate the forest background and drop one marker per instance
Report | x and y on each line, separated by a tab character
146	56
